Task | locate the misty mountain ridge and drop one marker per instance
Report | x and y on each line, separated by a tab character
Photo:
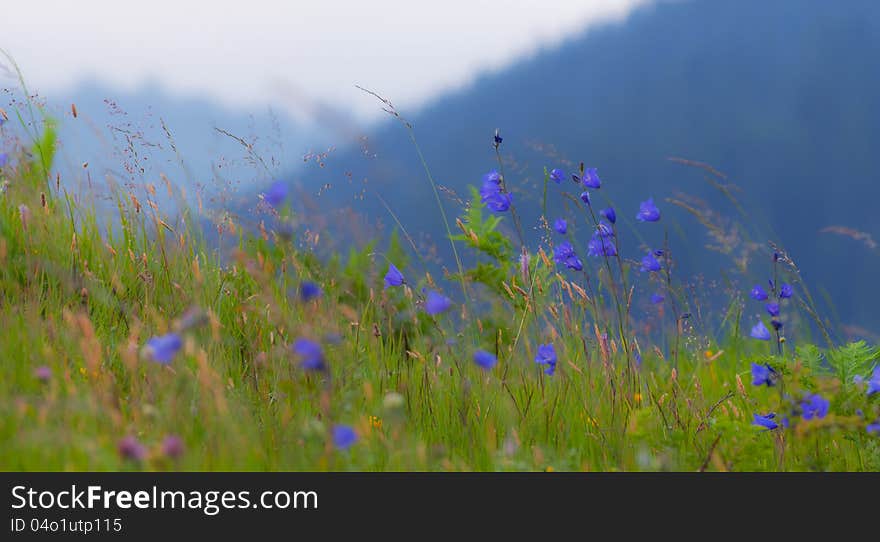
782	97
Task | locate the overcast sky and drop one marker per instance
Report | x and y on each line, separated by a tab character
250	53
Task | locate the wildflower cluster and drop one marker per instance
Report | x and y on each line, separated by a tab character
603	244
772	307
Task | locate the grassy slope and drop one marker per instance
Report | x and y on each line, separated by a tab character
83	301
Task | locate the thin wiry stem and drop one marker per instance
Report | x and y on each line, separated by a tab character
667	270
544	201
403	230
620	316
247	146
516	222
622	274
389	108
809	305
775	294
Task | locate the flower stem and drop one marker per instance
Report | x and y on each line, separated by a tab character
516	222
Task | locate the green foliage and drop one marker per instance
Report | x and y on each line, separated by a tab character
35	162
357	271
483	236
486	239
812	356
852	359
843	362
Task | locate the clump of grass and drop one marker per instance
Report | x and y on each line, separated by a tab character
139	346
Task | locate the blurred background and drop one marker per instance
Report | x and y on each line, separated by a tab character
781	99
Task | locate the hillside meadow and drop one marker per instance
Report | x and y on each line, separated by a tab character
131	342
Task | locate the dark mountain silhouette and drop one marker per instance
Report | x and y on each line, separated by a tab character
783	97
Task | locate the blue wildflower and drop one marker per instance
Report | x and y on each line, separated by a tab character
591	178
498	202
772	309
491	194
485	359
758	293
4	159
763	374
872	428
163	348
489	187
777	325
564	254
498	139
766	421
648	212
785	291
874	382
656	299
311	354
598	246
560	225
547	356
344	437
276	194
650	263
309	290
609	214
435	303
815	406
602	242
760	332
393	277
574	263
585	197
557	175
493	177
